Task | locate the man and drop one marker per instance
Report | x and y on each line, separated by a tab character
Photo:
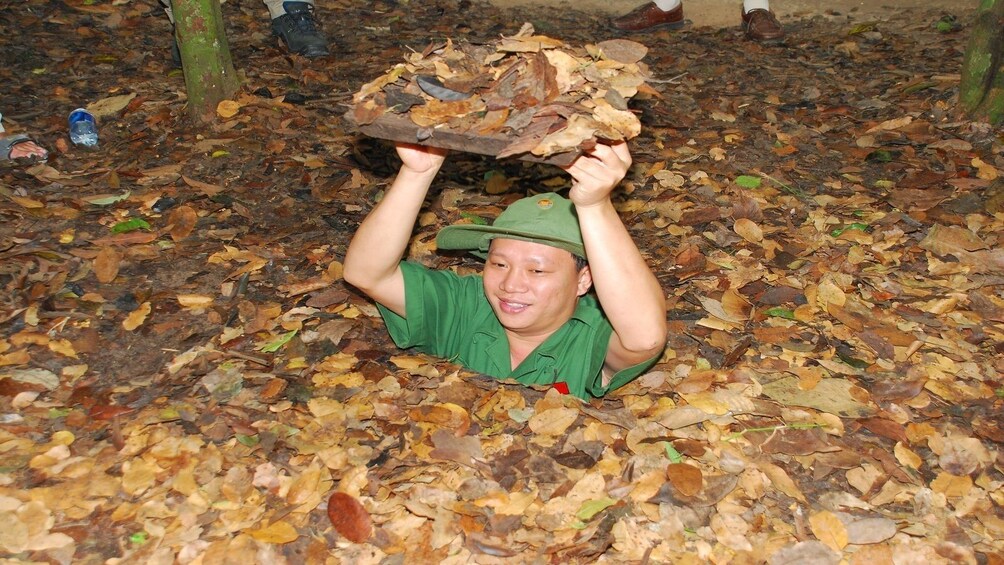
292	22
528	317
758	21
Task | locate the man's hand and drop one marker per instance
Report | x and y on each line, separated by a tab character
597	172
420	158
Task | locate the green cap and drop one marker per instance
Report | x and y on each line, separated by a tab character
545	218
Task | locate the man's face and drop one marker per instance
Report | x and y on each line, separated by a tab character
532	287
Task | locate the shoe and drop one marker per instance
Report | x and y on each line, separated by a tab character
27	150
648	16
761	25
299	30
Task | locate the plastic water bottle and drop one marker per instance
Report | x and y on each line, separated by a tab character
83	128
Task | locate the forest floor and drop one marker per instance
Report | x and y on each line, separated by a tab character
185	378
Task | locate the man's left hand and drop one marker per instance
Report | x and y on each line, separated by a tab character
597	172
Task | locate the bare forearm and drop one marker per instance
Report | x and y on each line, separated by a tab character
381	240
630	294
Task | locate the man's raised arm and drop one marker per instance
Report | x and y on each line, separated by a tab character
372	261
629	293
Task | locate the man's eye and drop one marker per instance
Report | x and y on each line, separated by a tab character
537	271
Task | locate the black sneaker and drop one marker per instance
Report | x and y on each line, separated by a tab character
299	30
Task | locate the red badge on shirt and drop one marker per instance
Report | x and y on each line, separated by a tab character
561	387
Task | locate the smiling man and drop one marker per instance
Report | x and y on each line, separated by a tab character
530	316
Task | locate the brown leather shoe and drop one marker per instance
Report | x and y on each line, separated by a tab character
761	25
649	16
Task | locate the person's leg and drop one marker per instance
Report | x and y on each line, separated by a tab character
166	4
276	8
175	50
759	22
658	13
750	5
293	22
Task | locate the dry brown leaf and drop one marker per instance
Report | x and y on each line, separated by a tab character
829	293
62	347
497	184
205	187
19	357
182	220
952	486
349	517
829	530
26	202
195	301
465	450
985	170
865	530
138	475
805	553
409	362
130	238
717	309
447	415
960	455
735	305
907	457
110	106
303	287
277	532
780	479
623	50
872	554
334	271
553	422
136	318
227	109
951	240
305	491
748	230
732	531
106	264
685	478
892	124
833	395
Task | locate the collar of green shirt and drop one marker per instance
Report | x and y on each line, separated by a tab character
542	359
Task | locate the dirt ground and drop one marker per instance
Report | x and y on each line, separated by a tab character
186	378
723	13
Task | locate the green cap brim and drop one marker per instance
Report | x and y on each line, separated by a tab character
476	239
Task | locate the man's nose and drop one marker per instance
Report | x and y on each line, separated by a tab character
513	281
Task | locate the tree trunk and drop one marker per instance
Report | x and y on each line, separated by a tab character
205	55
981	90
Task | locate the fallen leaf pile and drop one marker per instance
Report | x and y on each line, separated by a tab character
541	95
186	378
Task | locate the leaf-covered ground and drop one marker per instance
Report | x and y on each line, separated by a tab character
185	378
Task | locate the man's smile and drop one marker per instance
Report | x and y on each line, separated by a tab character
510	307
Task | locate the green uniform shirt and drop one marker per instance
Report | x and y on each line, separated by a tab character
448	316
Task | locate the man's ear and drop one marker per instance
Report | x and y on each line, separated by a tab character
585	281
